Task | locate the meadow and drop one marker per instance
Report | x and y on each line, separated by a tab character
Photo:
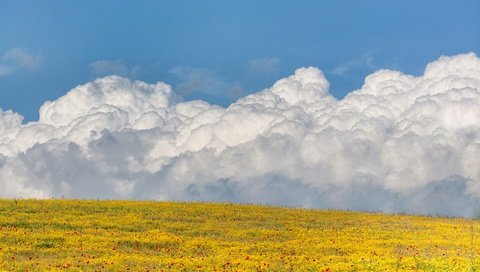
81	235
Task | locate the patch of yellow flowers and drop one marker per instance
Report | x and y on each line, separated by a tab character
79	235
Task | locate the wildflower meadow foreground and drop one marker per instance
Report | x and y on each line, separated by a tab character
79	235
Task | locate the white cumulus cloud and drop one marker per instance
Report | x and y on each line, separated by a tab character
400	143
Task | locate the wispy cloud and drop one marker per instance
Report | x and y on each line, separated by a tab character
113	67
203	80
18	59
197	80
4	70
264	65
364	61
209	81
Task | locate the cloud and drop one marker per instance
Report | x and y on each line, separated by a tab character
400	143
364	61
205	81
17	59
113	67
264	65
116	67
197	80
5	70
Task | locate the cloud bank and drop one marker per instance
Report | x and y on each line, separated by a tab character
399	144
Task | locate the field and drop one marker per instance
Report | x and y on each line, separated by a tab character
78	235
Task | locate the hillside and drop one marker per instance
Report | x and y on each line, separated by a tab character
79	235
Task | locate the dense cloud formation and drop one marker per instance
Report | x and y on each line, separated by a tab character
399	144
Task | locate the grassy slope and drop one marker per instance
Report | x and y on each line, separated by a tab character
125	235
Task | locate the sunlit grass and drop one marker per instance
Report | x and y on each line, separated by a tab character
75	235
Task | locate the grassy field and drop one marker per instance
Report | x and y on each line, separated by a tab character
43	235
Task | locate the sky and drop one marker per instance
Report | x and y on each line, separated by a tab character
219	51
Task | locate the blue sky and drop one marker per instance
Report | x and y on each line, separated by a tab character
219	50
